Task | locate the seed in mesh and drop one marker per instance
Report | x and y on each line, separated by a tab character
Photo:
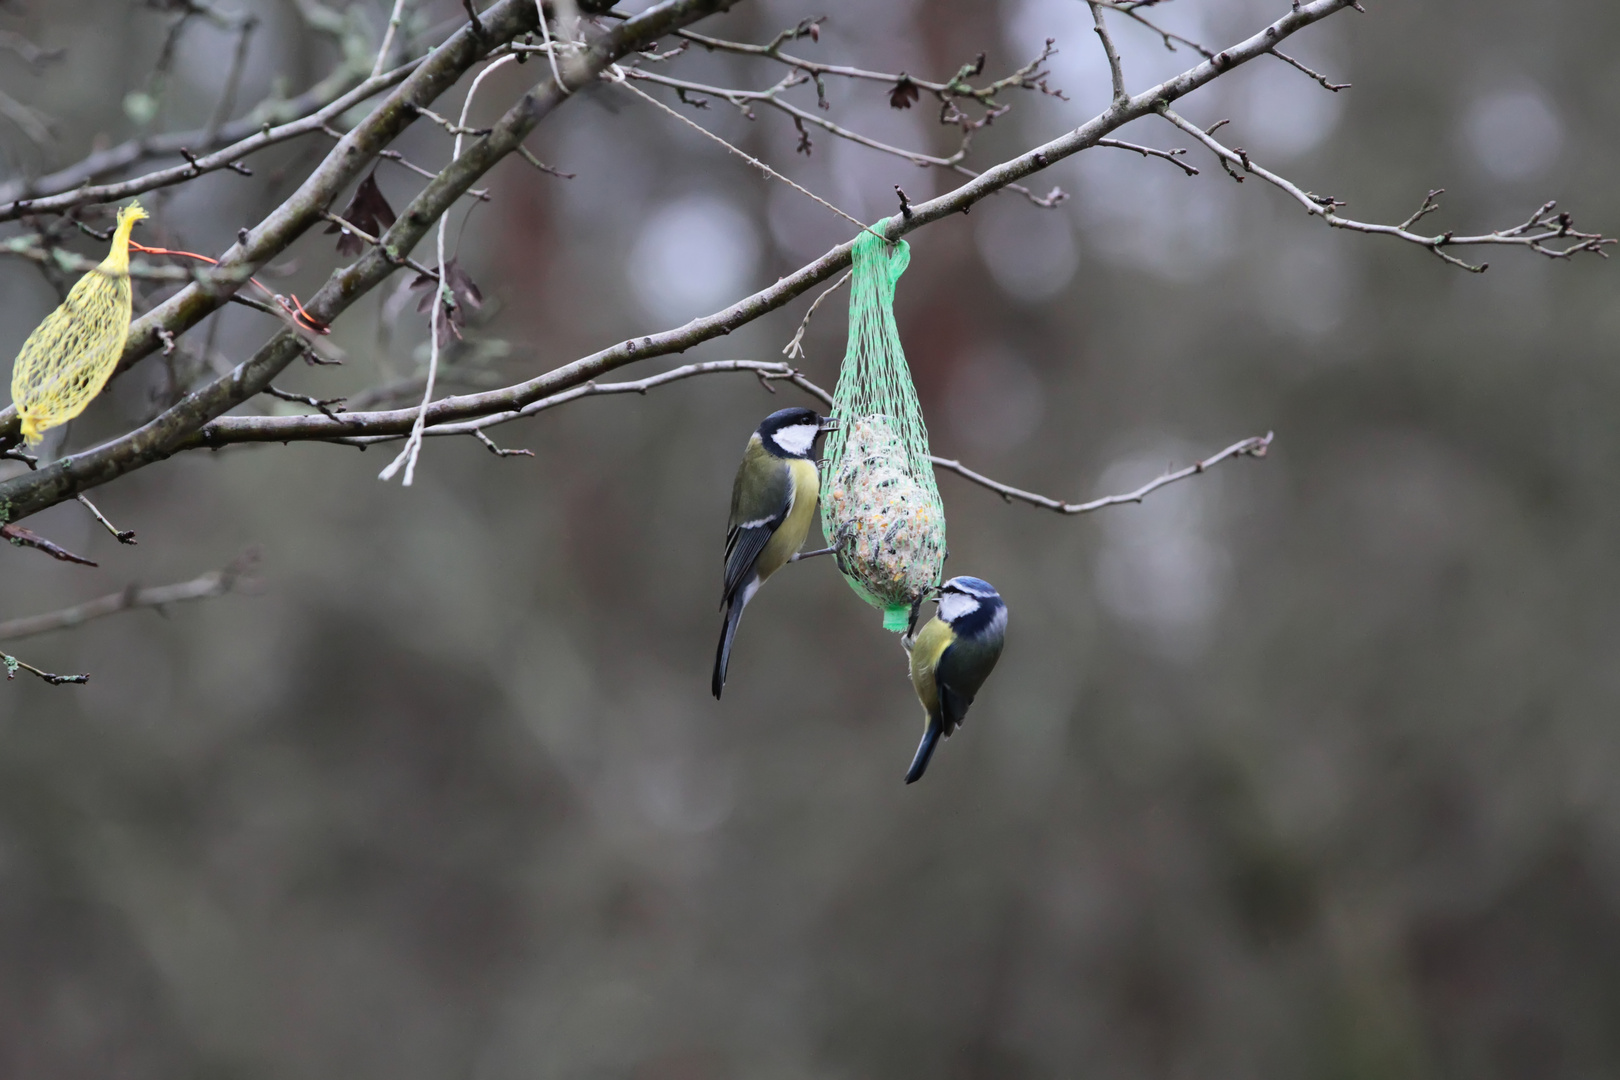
70	356
888	535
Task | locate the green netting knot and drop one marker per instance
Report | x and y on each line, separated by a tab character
880	509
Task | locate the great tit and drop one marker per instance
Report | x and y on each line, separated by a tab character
772	504
952	656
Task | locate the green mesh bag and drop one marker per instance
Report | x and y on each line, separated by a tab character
880	509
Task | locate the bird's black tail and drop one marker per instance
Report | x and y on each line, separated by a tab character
722	655
925	751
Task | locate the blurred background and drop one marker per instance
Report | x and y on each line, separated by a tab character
1304	768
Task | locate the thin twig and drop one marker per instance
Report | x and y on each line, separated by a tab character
209	585
1116	74
20	537
481	194
248	136
1251	447
1172	156
1129	10
527	155
233	80
795	348
328	407
371	241
13	665
1317	75
1028	77
394	19
743	98
458	130
123	536
1537	233
496	450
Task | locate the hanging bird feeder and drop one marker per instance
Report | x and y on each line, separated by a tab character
70	356
880	510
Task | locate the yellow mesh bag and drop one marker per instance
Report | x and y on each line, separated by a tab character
70	356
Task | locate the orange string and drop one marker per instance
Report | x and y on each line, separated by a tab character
295	311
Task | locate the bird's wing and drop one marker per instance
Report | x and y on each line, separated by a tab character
961	670
760	500
953	707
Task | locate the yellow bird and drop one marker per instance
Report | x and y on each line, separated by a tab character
70	356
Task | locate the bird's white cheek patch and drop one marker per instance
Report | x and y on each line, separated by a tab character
953	606
796	439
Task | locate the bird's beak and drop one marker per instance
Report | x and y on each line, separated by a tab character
829	423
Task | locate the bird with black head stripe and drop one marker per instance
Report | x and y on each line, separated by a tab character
952	656
772	504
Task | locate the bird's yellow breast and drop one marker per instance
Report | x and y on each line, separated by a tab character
789	538
931	643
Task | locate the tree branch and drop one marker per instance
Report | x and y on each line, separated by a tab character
512	399
14	665
17	535
68	188
196	421
243	429
344	164
1116	74
1255	446
1543	227
209	585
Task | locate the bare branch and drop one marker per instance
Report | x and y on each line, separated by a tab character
1116	74
1028	77
1172	156
395	17
198	421
209	585
1251	447
123	536
527	155
767	372
1128	9
244	137
14	665
344	164
371	241
20	537
329	407
1318	76
795	348
233	80
1540	233
496	450
742	98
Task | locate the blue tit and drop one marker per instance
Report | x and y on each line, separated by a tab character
772	504
951	658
